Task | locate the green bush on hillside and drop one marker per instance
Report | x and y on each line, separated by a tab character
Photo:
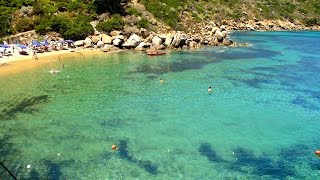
24	24
115	23
68	27
134	11
143	23
311	22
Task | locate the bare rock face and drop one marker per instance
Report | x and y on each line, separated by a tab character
130	30
133	41
106	39
156	41
144	33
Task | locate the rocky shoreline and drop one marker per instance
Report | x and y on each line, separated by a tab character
200	34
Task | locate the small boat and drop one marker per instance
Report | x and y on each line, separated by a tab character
156	53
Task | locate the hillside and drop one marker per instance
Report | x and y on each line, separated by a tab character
71	18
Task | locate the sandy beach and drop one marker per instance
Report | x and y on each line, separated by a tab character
19	63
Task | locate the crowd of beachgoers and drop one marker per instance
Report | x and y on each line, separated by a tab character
10	51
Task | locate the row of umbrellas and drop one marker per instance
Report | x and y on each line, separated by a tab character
36	43
45	43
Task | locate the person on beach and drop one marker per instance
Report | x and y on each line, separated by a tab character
209	89
35	56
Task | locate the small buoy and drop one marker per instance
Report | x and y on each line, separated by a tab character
29	166
317	152
232	152
114	147
59	154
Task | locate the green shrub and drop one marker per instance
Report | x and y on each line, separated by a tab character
115	23
68	27
311	22
134	11
24	24
143	23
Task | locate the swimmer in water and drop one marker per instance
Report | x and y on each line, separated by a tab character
209	89
161	80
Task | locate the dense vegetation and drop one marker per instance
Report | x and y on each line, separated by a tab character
71	17
307	11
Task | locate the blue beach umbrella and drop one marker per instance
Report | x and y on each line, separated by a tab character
22	46
4	46
69	41
35	43
44	43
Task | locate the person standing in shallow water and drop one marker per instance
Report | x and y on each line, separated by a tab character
161	80
35	56
209	89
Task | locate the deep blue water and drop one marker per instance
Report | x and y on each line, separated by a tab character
261	121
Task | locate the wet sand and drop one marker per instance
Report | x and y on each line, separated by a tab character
19	63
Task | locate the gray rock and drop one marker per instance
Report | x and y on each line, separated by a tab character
79	43
133	41
106	48
219	36
88	42
118	41
169	38
100	44
156	41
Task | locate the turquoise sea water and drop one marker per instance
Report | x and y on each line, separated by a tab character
261	121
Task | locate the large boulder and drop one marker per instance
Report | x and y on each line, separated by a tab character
118	40
156	41
215	29
106	39
100	44
87	42
219	35
106	48
142	46
95	39
169	38
79	43
133	41
179	40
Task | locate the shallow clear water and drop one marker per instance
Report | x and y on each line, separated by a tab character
261	121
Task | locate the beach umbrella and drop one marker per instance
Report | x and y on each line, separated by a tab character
4	46
22	46
69	41
44	43
35	43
